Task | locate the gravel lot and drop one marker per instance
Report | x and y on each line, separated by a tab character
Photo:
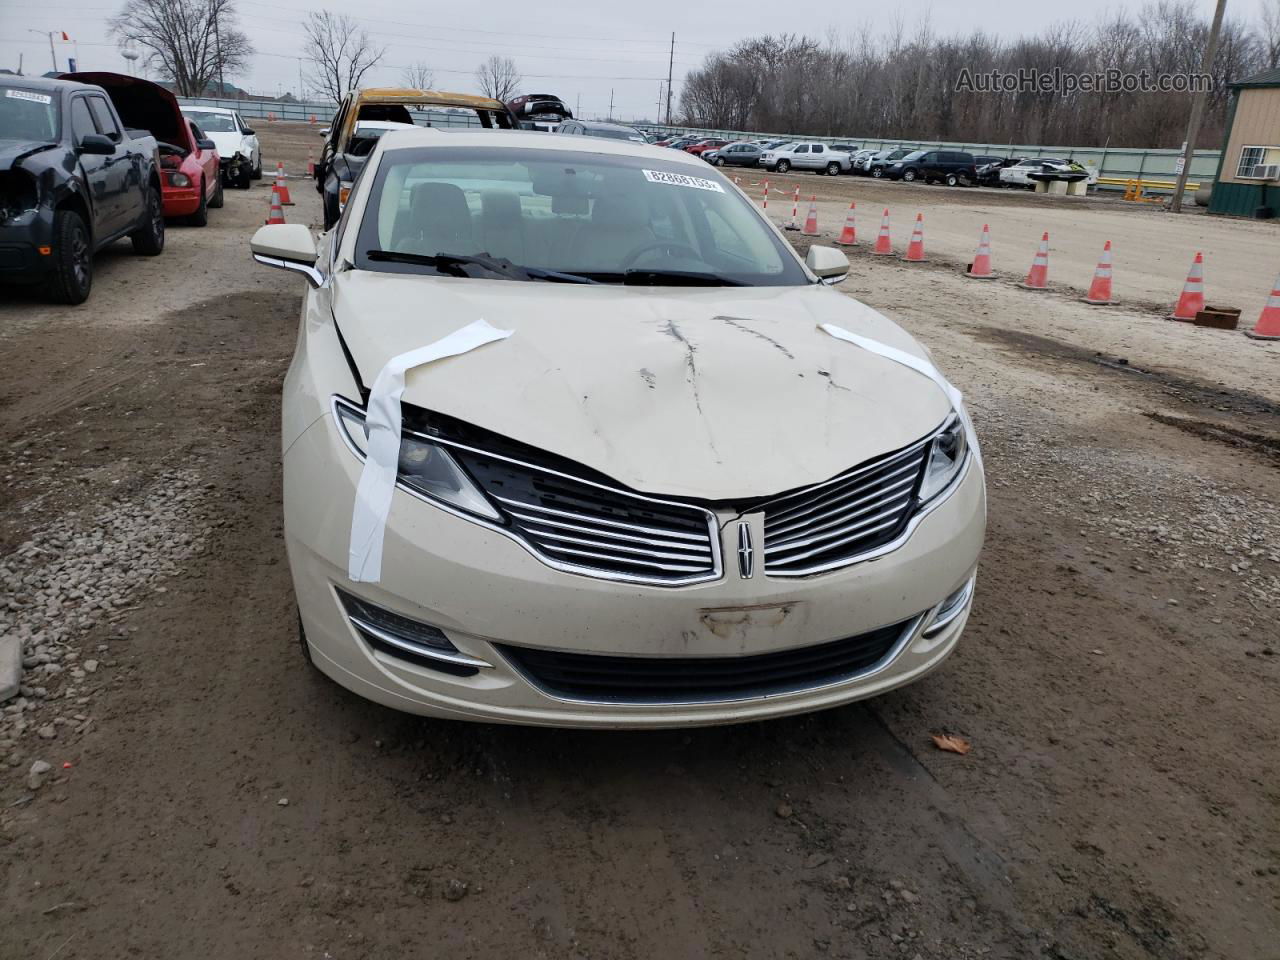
175	783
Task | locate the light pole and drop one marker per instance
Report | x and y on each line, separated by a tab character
1197	108
53	57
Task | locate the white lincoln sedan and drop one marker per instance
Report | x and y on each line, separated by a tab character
573	437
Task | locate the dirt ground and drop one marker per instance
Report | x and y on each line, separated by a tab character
1118	679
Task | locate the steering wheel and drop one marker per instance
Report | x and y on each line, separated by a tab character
640	251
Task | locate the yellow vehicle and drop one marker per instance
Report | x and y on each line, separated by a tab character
365	115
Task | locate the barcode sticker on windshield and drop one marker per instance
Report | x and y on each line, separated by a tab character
28	95
682	180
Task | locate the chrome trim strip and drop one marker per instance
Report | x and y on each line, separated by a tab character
908	634
937	626
314	276
630	551
857	530
625	560
458	659
916	519
788	517
539	521
604	523
867	504
713	527
691	556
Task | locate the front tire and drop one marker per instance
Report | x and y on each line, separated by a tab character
877	172
783	166
909	176
72	259
256	173
952	180
719	161
218	199
148	240
201	217
833	169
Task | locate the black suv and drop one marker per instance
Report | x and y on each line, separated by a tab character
949	166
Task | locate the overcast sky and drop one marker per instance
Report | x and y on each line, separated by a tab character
579	50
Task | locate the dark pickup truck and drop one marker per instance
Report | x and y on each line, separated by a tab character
72	180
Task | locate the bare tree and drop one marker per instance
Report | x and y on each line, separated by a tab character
340	53
417	76
499	78
190	43
1270	33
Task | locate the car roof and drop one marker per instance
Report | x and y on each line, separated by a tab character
47	84
533	140
439	98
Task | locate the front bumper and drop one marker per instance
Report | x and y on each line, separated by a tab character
180	201
483	590
234	168
20	257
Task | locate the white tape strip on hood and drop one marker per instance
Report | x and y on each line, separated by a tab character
382	421
919	365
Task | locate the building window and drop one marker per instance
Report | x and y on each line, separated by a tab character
1251	157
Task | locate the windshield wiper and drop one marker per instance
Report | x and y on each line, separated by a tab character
677	278
454	265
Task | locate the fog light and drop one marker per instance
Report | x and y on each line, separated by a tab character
407	639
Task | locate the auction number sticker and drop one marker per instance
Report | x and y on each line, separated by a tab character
682	180
28	95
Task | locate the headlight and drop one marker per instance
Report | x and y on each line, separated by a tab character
424	467
344	191
946	456
179	180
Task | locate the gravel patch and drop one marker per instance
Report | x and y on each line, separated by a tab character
72	576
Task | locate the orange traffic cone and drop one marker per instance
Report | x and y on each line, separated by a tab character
1038	275
281	185
1268	327
849	235
811	221
915	249
980	269
276	215
883	247
311	164
1100	290
1192	300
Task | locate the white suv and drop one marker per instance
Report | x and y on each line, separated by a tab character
807	156
239	154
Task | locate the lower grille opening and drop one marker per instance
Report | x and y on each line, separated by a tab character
594	677
406	639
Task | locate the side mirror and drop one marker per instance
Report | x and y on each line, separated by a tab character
247	132
206	145
826	263
287	246
97	143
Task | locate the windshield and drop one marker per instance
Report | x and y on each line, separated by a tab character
213	122
914	155
615	133
585	214
28	115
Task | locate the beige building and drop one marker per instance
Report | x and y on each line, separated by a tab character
1248	179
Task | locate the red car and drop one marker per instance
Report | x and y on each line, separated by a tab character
702	145
189	180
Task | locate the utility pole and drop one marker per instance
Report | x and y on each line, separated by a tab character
577	107
611	103
217	46
671	62
1197	108
300	93
659	113
53	58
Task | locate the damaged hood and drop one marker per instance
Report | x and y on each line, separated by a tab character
715	393
13	152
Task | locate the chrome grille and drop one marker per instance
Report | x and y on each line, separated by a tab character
838	522
590	528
